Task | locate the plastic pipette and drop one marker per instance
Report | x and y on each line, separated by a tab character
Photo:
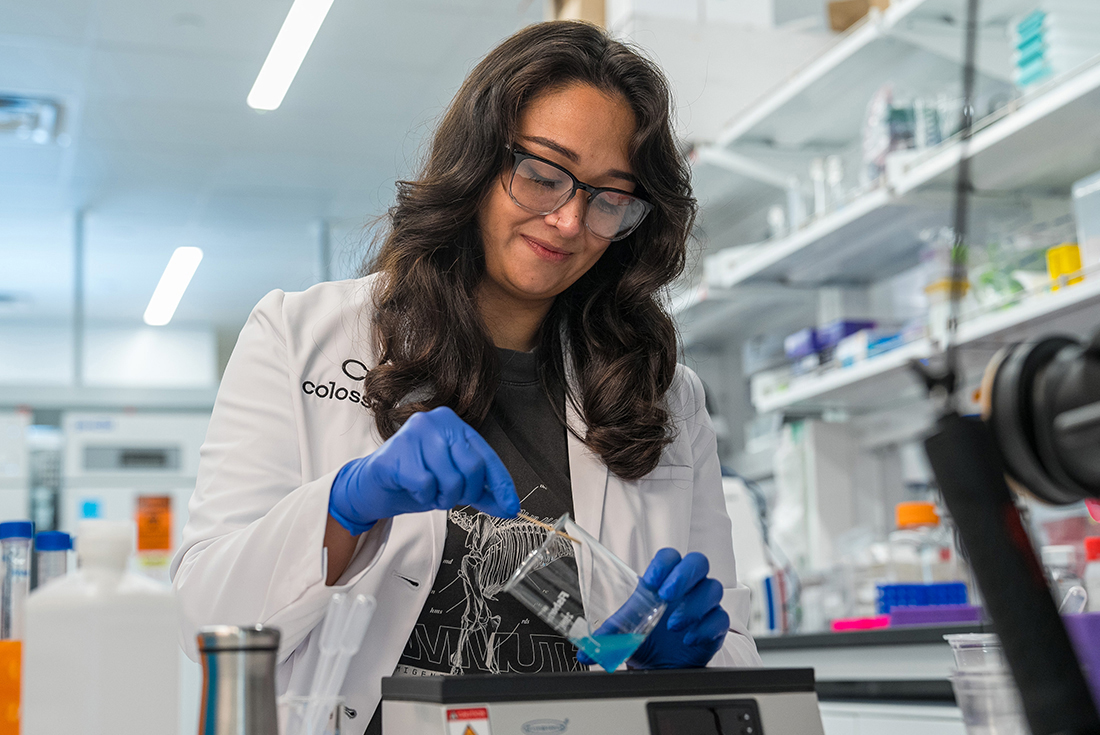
341	635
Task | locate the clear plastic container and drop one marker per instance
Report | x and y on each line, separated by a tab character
15	549
977	652
101	653
990	703
51	560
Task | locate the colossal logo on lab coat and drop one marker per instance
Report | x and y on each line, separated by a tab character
331	391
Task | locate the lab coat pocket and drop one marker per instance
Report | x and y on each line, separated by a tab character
668	476
647	514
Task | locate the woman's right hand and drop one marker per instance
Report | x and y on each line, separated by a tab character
435	461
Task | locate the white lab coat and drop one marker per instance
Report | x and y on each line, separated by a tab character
287	418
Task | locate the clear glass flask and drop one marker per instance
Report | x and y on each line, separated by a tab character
587	594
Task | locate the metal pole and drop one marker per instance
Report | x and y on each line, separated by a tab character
324	252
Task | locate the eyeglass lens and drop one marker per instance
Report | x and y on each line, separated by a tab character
543	188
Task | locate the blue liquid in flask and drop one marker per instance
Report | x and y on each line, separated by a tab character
609	650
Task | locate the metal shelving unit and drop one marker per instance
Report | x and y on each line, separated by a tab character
885	380
1026	152
1041	143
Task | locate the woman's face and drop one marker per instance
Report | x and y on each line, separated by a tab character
531	257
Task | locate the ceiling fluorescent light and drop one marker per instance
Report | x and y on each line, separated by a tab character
177	274
286	55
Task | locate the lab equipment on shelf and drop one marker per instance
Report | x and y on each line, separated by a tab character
238	687
1092	572
101	654
1086	212
15	541
15	548
921	549
51	555
1053	39
1064	265
1060	561
892	596
549	584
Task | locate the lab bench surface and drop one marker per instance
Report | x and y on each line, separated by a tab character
915	635
891	681
887	665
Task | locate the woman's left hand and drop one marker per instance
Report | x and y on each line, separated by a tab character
693	626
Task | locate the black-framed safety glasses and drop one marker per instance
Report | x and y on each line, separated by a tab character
542	187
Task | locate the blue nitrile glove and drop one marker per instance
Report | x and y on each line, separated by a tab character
693	626
434	461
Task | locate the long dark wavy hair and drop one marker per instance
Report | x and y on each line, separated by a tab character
608	331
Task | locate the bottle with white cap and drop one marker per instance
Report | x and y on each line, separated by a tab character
100	653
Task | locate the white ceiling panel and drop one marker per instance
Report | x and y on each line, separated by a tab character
36	254
59	19
164	152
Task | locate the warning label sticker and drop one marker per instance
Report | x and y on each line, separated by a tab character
468	721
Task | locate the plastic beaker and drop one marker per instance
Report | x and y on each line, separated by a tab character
977	652
989	702
550	583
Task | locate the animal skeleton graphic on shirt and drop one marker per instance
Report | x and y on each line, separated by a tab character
495	547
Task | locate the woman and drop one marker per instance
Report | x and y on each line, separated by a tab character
516	292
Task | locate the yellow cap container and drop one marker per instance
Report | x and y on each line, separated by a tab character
916	513
1064	260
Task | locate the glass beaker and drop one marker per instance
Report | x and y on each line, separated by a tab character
615	616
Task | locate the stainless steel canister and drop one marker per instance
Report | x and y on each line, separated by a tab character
238	687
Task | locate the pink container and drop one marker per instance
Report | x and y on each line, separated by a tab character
871	623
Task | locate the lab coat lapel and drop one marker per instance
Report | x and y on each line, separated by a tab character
587	474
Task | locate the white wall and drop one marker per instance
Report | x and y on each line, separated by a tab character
37	354
720	55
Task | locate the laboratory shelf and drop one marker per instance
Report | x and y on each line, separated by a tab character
1044	141
914	43
713	315
887	380
1040	145
915	46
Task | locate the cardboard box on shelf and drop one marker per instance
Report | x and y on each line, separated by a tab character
843	14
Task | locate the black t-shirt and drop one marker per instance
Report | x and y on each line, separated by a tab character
469	625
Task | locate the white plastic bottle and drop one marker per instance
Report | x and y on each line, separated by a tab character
1092	572
100	654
